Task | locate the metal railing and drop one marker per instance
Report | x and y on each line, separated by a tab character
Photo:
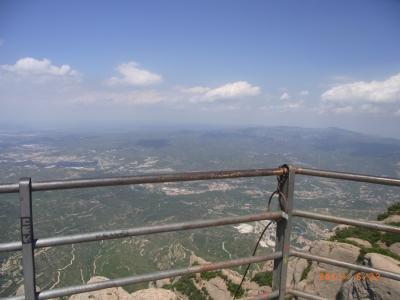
283	218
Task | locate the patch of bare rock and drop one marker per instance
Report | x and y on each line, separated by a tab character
372	287
347	284
118	293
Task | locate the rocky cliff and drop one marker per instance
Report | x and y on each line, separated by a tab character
349	244
354	245
335	283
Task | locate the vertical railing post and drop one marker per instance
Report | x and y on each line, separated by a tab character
283	231
28	258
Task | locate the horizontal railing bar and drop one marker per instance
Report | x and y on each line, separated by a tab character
339	220
304	295
9	188
348	176
123	233
265	296
10	246
346	265
141	179
77	289
192	176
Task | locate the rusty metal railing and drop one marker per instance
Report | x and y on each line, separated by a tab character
281	255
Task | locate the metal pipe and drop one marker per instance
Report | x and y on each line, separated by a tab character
349	176
150	277
346	265
193	176
9	188
10	246
304	295
123	233
366	224
141	179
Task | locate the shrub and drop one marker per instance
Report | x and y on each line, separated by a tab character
186	286
210	275
263	278
376	249
395	224
369	235
306	270
382	216
393	209
232	287
390	238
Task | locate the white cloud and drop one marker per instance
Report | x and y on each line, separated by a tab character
368	108
285	96
386	91
354	108
304	93
343	110
234	90
293	105
196	90
285	106
29	66
134	98
131	74
175	98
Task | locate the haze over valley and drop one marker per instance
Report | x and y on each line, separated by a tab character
49	155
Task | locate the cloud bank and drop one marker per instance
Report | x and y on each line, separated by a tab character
386	91
131	74
134	91
130	98
285	96
234	90
44	67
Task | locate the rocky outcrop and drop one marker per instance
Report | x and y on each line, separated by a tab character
360	242
118	293
313	283
296	267
310	276
392	219
154	294
370	286
217	287
302	275
395	248
114	293
348	284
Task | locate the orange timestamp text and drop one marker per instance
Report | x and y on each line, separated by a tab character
332	276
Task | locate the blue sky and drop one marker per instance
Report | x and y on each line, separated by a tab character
303	63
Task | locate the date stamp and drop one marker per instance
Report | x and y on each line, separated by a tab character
333	276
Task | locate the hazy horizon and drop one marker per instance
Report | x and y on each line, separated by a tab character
260	63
